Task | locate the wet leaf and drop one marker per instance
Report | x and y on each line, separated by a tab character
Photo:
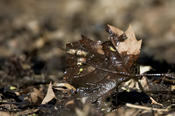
89	62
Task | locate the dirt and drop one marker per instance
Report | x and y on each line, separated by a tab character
33	37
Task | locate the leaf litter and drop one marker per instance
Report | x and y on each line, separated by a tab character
105	75
102	75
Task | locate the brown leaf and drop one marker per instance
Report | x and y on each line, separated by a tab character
49	96
69	102
36	95
2	113
131	45
118	32
67	87
125	44
87	61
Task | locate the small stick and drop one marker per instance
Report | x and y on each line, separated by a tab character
157	75
146	108
154	102
137	75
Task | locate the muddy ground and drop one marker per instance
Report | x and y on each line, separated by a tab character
33	37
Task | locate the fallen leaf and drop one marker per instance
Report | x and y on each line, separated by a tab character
144	69
84	112
114	30
49	96
36	95
90	62
131	45
69	102
6	113
125	44
61	86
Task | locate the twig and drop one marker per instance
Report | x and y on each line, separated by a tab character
147	108
137	75
155	102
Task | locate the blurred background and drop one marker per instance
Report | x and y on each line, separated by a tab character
39	29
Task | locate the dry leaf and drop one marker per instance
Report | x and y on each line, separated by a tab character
36	95
70	102
115	30
131	45
84	112
6	113
50	95
144	69
59	86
